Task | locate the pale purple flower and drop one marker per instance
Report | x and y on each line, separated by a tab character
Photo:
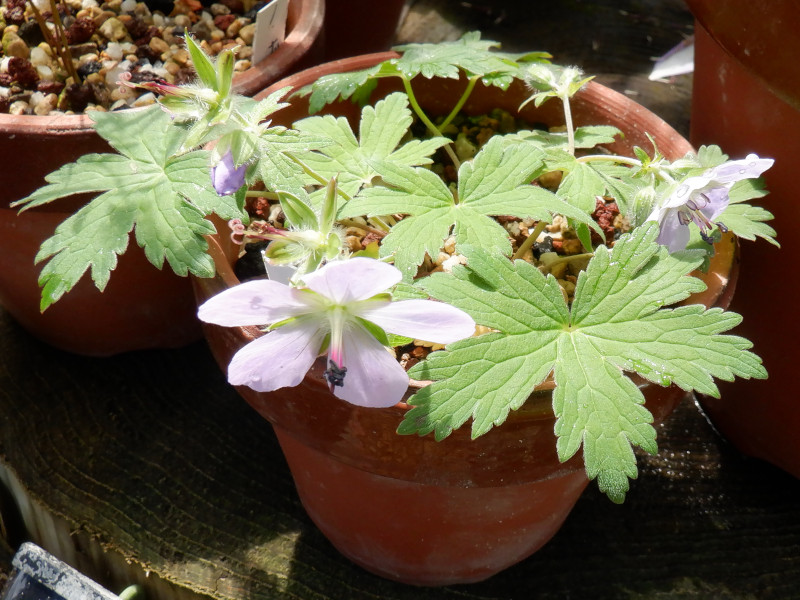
225	177
329	314
703	199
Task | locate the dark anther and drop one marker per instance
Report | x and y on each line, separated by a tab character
335	374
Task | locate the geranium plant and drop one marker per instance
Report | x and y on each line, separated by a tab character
460	251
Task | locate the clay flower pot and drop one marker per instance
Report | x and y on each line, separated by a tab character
141	307
382	20
746	98
410	508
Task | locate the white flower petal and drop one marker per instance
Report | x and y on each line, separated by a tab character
423	320
258	302
673	235
354	279
280	358
374	378
736	170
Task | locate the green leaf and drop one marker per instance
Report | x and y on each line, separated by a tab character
146	189
588	136
469	54
749	222
298	213
617	324
357	85
351	159
745	220
203	65
496	182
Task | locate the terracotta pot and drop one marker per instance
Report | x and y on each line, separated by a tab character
148	308
746	98
410	508
376	23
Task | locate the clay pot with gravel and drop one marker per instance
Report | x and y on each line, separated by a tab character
151	308
445	506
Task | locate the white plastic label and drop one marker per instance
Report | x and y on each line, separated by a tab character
270	29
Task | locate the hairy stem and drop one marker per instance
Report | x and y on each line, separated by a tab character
569	124
626	160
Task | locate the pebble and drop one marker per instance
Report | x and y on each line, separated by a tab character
43	104
160	46
45	73
13	45
110	51
18	107
39	57
144	100
113	29
247	33
114	51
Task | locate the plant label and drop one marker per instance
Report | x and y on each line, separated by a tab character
270	29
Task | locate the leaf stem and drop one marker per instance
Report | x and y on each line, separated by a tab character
530	240
367	228
424	118
627	160
261	194
461	101
316	176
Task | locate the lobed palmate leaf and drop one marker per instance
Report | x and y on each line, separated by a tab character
146	189
617	324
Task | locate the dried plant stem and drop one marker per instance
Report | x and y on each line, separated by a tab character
59	43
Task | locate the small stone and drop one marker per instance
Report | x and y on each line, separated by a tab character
172	67
113	30
181	56
159	46
13	45
241	65
95	79
219	9
104	16
122	93
202	29
183	21
19	107
233	29
128	5
45	73
145	100
38	57
81	30
46	104
222	22
247	33
114	51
